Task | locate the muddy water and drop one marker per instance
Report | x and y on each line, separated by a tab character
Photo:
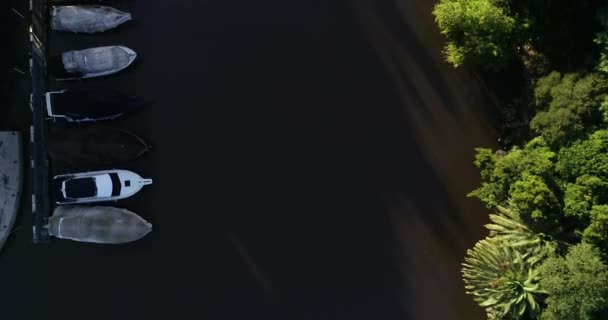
310	160
446	112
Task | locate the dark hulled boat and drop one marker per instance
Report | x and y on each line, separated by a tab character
94	145
90	104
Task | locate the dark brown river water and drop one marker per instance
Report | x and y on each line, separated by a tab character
310	161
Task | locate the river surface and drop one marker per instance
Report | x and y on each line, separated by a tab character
310	161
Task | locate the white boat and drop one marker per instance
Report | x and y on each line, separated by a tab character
87	18
97	186
96	62
97	224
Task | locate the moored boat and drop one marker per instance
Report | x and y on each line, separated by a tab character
97	186
89	104
87	18
92	62
94	145
97	224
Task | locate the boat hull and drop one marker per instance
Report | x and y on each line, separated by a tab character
90	104
94	145
97	224
125	184
87	18
93	62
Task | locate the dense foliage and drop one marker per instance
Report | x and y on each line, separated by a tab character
601	40
568	105
486	33
479	32
546	255
501	280
577	284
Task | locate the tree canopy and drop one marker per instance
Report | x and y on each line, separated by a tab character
584	157
536	202
601	39
501	280
577	284
500	173
546	256
597	230
568	105
479	32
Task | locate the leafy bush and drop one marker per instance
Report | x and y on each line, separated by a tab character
577	284
479	32
500	173
568	106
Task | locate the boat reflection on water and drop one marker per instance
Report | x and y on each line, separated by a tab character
97	224
94	145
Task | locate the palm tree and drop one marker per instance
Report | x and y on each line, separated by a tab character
501	280
508	228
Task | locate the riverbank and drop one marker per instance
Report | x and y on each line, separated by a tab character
448	112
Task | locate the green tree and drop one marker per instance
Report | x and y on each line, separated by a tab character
535	201
584	157
501	280
601	40
479	32
508	228
604	106
582	195
597	230
577	284
568	106
499	173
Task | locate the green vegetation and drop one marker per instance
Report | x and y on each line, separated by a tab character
488	33
479	32
501	280
546	255
601	40
568	105
577	284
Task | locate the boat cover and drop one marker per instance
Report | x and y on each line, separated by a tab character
97	61
97	224
87	18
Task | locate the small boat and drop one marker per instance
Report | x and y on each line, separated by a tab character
92	62
97	224
89	104
87	18
94	145
97	186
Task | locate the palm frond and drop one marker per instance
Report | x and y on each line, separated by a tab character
500	279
